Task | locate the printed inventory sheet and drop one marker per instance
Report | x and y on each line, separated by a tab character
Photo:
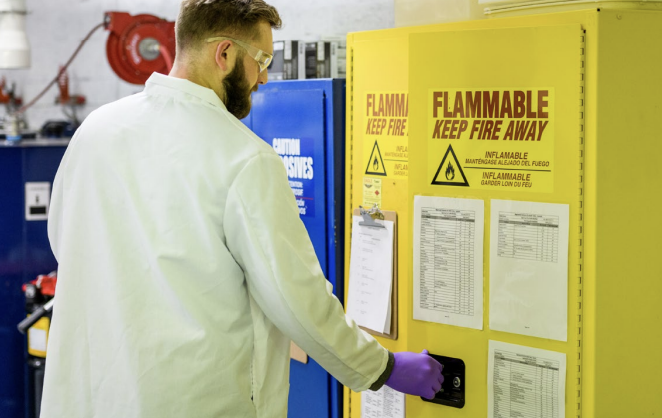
525	382
384	403
448	261
371	275
529	268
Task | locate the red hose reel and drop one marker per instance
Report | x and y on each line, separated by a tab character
139	45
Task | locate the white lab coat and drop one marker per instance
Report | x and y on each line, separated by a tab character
184	269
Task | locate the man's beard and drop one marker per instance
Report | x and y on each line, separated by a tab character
237	91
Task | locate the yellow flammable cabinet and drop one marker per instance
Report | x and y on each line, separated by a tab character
524	183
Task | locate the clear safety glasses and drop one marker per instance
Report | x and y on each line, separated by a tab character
263	59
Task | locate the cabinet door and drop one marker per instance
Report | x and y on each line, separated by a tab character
292	122
496	114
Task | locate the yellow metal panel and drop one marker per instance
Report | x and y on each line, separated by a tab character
626	225
369	74
377	62
526	59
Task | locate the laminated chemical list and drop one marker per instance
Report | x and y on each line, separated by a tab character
528	236
384	403
448	261
529	268
525	382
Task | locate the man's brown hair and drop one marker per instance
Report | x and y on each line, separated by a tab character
202	19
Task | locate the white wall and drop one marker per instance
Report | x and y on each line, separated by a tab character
310	19
425	12
55	28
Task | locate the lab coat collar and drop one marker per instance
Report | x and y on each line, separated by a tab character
160	84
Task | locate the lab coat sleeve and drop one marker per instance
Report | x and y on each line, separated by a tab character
269	241
56	206
55	215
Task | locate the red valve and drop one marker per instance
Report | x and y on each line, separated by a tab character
63	84
4	97
65	98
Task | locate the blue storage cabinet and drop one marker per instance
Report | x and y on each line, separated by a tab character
24	253
304	120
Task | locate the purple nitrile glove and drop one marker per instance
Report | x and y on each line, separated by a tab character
416	374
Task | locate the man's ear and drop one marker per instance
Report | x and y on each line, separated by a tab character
224	58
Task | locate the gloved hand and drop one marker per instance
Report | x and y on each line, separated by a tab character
416	374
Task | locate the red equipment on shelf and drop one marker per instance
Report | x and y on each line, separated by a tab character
65	98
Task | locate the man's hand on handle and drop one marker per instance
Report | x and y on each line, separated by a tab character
416	374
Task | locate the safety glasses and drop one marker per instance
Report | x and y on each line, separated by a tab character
263	59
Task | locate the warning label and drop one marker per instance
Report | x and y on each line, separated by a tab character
385	129
492	139
376	162
450	171
372	192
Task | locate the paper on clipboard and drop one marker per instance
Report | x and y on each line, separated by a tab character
371	275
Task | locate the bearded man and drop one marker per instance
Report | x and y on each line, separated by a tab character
184	269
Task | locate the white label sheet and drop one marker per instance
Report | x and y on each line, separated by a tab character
384	403
448	261
371	275
529	268
37	200
525	382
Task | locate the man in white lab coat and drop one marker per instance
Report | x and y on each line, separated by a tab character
184	269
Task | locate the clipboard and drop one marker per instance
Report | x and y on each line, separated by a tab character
392	216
